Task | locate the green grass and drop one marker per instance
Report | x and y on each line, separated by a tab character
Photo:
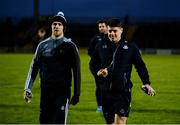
163	108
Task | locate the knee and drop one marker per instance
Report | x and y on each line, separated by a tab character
120	120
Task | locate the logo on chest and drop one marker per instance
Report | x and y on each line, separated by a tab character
125	47
47	52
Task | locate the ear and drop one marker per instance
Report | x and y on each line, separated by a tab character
122	29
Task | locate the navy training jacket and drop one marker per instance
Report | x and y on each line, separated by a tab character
126	55
103	54
56	59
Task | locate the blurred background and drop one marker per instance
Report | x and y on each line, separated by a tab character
152	24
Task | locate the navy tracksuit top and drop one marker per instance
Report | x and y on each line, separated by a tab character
56	59
102	55
126	55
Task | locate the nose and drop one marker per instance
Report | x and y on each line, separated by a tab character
112	32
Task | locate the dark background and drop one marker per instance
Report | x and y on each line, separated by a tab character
150	23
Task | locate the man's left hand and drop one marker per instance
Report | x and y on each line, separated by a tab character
148	90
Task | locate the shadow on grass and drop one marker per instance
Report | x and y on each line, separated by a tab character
8	106
169	111
83	109
169	93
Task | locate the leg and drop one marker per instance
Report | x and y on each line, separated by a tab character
46	108
98	90
61	112
108	117
108	108
122	108
119	120
61	105
46	116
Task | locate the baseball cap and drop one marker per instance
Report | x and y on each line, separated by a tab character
60	18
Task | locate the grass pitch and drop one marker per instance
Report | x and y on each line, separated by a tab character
164	108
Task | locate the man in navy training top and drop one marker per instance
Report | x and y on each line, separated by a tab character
116	101
56	59
102	28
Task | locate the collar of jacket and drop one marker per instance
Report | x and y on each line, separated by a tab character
57	38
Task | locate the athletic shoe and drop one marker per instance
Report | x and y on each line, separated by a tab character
99	109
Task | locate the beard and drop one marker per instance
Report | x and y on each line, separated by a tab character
57	33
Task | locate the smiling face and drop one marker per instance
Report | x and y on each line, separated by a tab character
57	29
114	34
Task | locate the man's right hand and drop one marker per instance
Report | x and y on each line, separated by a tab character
102	72
27	95
74	100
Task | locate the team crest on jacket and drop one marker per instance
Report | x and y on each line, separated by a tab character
99	39
122	111
125	47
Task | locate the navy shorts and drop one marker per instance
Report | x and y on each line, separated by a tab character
116	103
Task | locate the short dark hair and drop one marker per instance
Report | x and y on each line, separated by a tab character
101	21
114	22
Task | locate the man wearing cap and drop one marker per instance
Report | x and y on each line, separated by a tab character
56	59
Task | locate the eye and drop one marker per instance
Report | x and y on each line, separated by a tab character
57	24
115	31
112	31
